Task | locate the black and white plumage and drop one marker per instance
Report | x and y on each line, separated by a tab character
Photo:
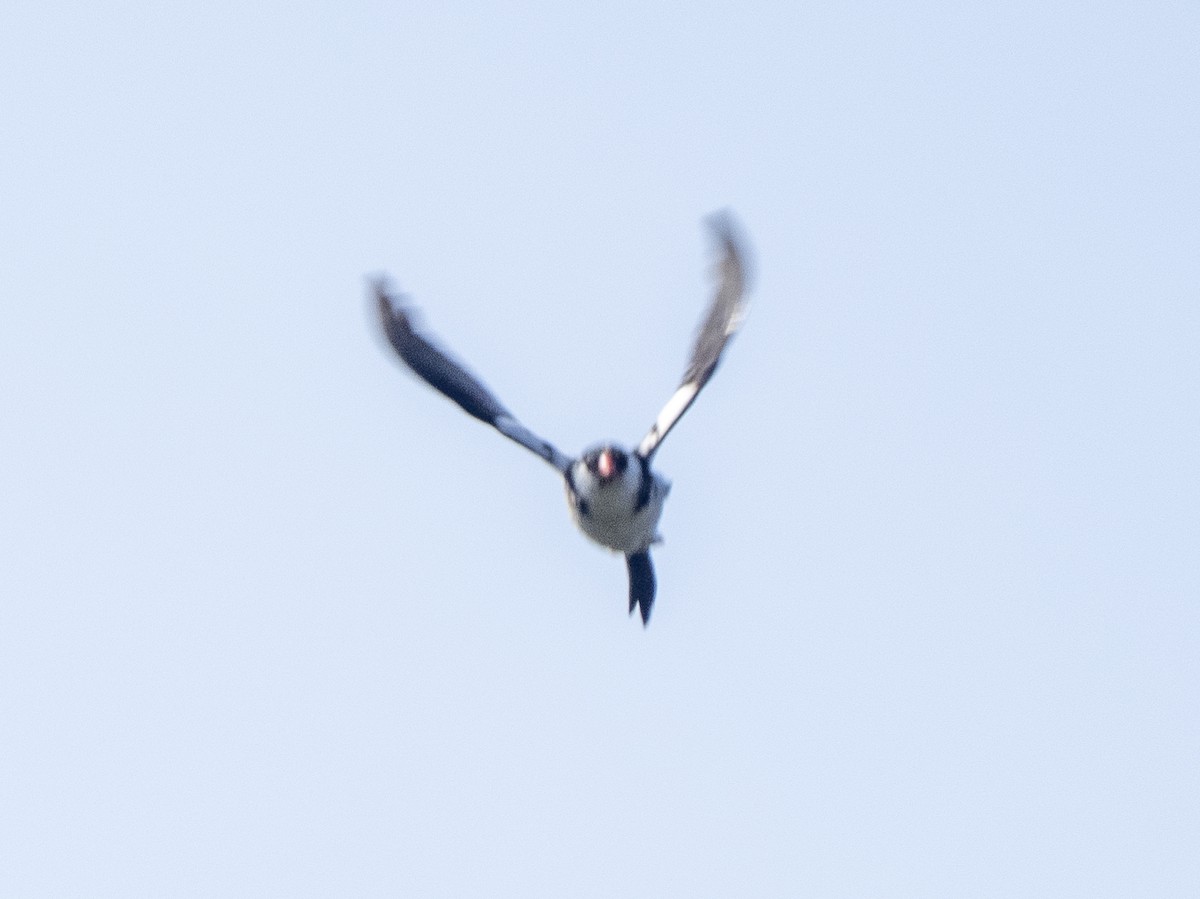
615	497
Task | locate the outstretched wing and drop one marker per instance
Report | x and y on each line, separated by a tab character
641	584
721	322
438	370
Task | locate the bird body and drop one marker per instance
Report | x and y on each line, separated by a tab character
615	497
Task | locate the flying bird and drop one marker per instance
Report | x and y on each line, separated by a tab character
614	495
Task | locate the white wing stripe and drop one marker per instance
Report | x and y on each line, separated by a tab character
675	407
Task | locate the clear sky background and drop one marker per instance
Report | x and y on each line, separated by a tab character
277	620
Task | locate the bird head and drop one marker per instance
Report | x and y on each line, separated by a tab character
606	463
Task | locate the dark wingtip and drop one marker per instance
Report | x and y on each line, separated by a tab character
393	316
725	227
388	309
387	300
381	288
722	223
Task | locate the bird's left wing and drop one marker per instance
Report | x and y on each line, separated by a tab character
453	381
721	322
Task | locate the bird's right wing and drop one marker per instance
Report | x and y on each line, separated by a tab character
441	372
721	322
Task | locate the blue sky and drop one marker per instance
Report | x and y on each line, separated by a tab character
278	620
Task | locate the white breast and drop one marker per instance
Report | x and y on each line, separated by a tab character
610	518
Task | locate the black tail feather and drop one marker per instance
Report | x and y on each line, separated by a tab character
641	584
